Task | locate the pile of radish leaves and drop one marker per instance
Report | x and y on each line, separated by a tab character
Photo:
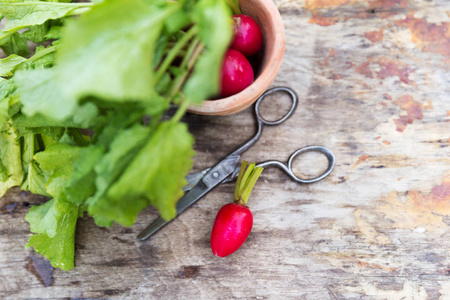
84	118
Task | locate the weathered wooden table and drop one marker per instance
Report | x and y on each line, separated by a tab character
373	78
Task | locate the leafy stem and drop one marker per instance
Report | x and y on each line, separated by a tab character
180	111
186	66
9	33
28	148
173	53
42	53
188	62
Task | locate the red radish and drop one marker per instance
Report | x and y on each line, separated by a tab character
234	221
248	37
237	73
231	228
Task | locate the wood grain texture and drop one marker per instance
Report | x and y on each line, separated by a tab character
373	78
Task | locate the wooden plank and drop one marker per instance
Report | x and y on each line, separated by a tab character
373	79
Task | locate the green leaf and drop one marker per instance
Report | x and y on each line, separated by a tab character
4	107
40	93
59	161
7	87
115	122
177	21
14	44
13	106
11	172
60	221
9	101
45	218
110	49
35	140
85	115
55	32
34	178
166	157
38	120
9	64
155	176
54	133
43	58
42	218
72	137
51	137
36	33
83	174
23	14
213	19
123	149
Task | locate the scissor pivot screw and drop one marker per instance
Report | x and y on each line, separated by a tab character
215	174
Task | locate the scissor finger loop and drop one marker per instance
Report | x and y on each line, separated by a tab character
294	102
325	151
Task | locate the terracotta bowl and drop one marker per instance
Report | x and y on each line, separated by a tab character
267	16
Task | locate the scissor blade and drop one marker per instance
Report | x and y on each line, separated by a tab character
193	179
210	180
195	193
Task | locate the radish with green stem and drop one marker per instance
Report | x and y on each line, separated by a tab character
234	221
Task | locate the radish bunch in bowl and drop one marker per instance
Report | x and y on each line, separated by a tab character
237	72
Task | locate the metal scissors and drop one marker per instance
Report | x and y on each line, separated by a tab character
227	170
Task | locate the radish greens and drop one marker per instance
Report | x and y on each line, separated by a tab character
84	118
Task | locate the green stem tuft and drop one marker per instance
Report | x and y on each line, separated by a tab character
246	181
239	180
